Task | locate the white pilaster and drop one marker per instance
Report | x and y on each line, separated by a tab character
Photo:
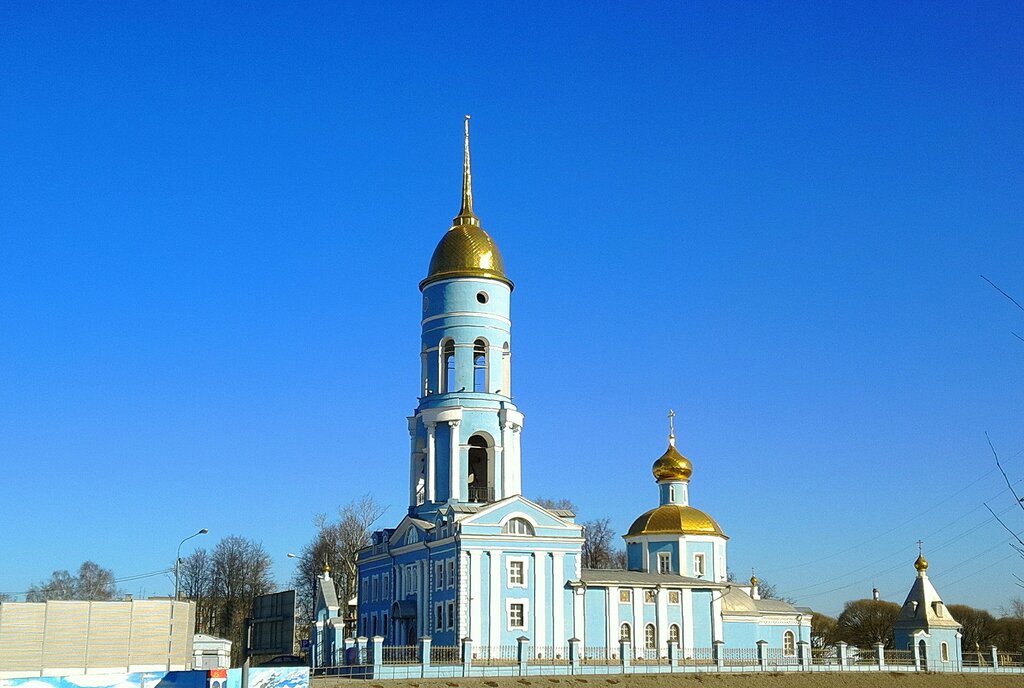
638	621
507	458
687	629
455	477
413	472
717	632
579	625
613	616
558	578
431	429
497	614
515	485
475	608
662	620
540	607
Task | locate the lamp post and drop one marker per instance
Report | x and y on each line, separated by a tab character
177	562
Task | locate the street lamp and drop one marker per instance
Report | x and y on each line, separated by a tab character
177	562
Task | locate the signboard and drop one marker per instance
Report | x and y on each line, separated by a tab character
273	624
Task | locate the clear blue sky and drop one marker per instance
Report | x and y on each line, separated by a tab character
214	216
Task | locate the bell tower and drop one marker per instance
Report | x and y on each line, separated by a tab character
465	430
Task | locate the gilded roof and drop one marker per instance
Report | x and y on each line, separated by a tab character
672	519
466	250
672	466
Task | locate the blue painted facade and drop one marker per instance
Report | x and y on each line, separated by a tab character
474	559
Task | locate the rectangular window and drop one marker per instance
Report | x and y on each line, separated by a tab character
516	616
376	588
451	615
440	617
625	595
664	562
698	564
451	573
439	576
386	588
517	572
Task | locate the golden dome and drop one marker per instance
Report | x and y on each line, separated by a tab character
921	564
466	250
672	466
674	519
754	581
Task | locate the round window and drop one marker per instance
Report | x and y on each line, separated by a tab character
481	296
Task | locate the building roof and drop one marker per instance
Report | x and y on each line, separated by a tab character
642	578
923	607
672	519
738	601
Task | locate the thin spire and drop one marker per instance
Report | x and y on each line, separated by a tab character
466	215
671	428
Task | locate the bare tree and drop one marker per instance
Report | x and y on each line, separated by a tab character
196	576
978	627
336	545
93	582
598	550
823	630
240	571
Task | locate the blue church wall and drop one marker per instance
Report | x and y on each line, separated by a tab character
635	556
655	548
741	634
701	618
596	617
705	548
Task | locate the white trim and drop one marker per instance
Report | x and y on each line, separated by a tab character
474	574
508	614
465	314
540	595
525	561
494	597
613	615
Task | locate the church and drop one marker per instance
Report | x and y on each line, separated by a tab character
474	559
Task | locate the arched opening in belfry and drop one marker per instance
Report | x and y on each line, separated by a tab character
447	366
480	366
481	487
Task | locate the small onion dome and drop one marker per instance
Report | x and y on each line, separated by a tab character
921	564
672	466
674	519
754	581
466	250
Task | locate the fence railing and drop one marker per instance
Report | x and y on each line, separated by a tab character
445	654
899	658
401	654
495	655
549	654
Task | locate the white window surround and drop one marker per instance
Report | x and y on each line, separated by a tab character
788	644
944	651
509	568
515	514
699	564
525	603
664	562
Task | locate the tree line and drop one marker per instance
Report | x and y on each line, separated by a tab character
864	623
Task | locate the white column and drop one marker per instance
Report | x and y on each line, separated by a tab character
578	621
662	620
476	609
717	632
613	617
423	613
515	484
558	600
413	473
687	630
540	607
497	612
504	490
431	429
455	477
638	621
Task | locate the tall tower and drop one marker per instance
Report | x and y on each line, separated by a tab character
465	430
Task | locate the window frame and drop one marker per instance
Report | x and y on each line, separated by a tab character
523	569
625	632
650	637
523	606
788	644
700	569
664	562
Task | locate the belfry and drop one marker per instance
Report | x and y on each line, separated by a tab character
465	430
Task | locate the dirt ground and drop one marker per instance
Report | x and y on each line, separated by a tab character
702	680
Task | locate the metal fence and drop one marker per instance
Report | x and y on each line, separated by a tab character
549	654
899	658
739	656
496	655
445	654
401	654
599	655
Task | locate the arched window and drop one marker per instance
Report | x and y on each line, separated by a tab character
944	652
650	637
447	366
625	632
788	644
673	634
479	366
479	479
506	367
518	526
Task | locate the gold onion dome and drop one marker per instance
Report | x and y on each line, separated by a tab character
754	581
921	564
672	466
466	250
675	519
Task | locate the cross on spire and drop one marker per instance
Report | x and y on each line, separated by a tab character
920	546
671	428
